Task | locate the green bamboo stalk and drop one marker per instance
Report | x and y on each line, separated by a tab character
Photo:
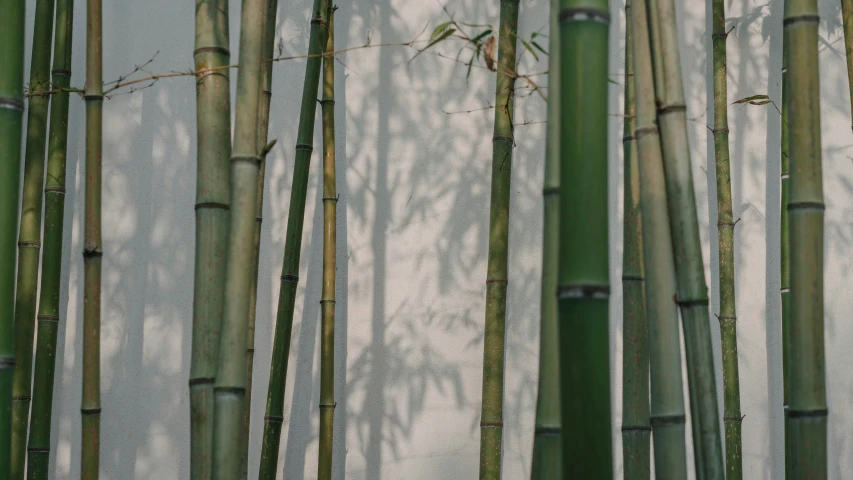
547	437
29	234
293	244
784	245
503	141
11	122
230	385
38	447
327	303
725	227
271	7
667	401
92	251
692	293
213	113
847	24
583	284
806	427
636	430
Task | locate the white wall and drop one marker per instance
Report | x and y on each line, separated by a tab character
412	230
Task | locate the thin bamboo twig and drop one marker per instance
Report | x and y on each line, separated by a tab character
293	244
38	446
29	236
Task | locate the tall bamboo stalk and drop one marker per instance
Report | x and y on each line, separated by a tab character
636	430
230	385
29	233
847	24
503	141
330	200
807	413
692	293
271	8
547	437
92	252
667	401
213	113
784	244
38	446
293	244
725	227
11	120
583	285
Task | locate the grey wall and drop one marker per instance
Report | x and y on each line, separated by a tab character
412	232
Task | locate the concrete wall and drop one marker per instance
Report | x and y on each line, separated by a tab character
412	233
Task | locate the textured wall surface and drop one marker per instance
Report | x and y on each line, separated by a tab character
412	232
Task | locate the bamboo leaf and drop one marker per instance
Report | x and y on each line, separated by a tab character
752	98
441	37
489	53
439	29
528	47
477	25
481	36
538	47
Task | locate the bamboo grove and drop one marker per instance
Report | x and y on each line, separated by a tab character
666	311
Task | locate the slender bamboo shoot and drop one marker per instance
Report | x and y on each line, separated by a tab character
293	244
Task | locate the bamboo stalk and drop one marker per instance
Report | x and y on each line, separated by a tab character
327	303
806	424
725	227
29	236
230	385
784	245
636	430
38	447
263	124
692	293
213	113
547	438
847	24
503	141
583	284
92	251
263	128
667	402
293	245
11	122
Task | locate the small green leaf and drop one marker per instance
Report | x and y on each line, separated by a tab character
538	47
481	36
610	80
477	25
760	102
470	63
528	47
439	29
441	37
752	99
